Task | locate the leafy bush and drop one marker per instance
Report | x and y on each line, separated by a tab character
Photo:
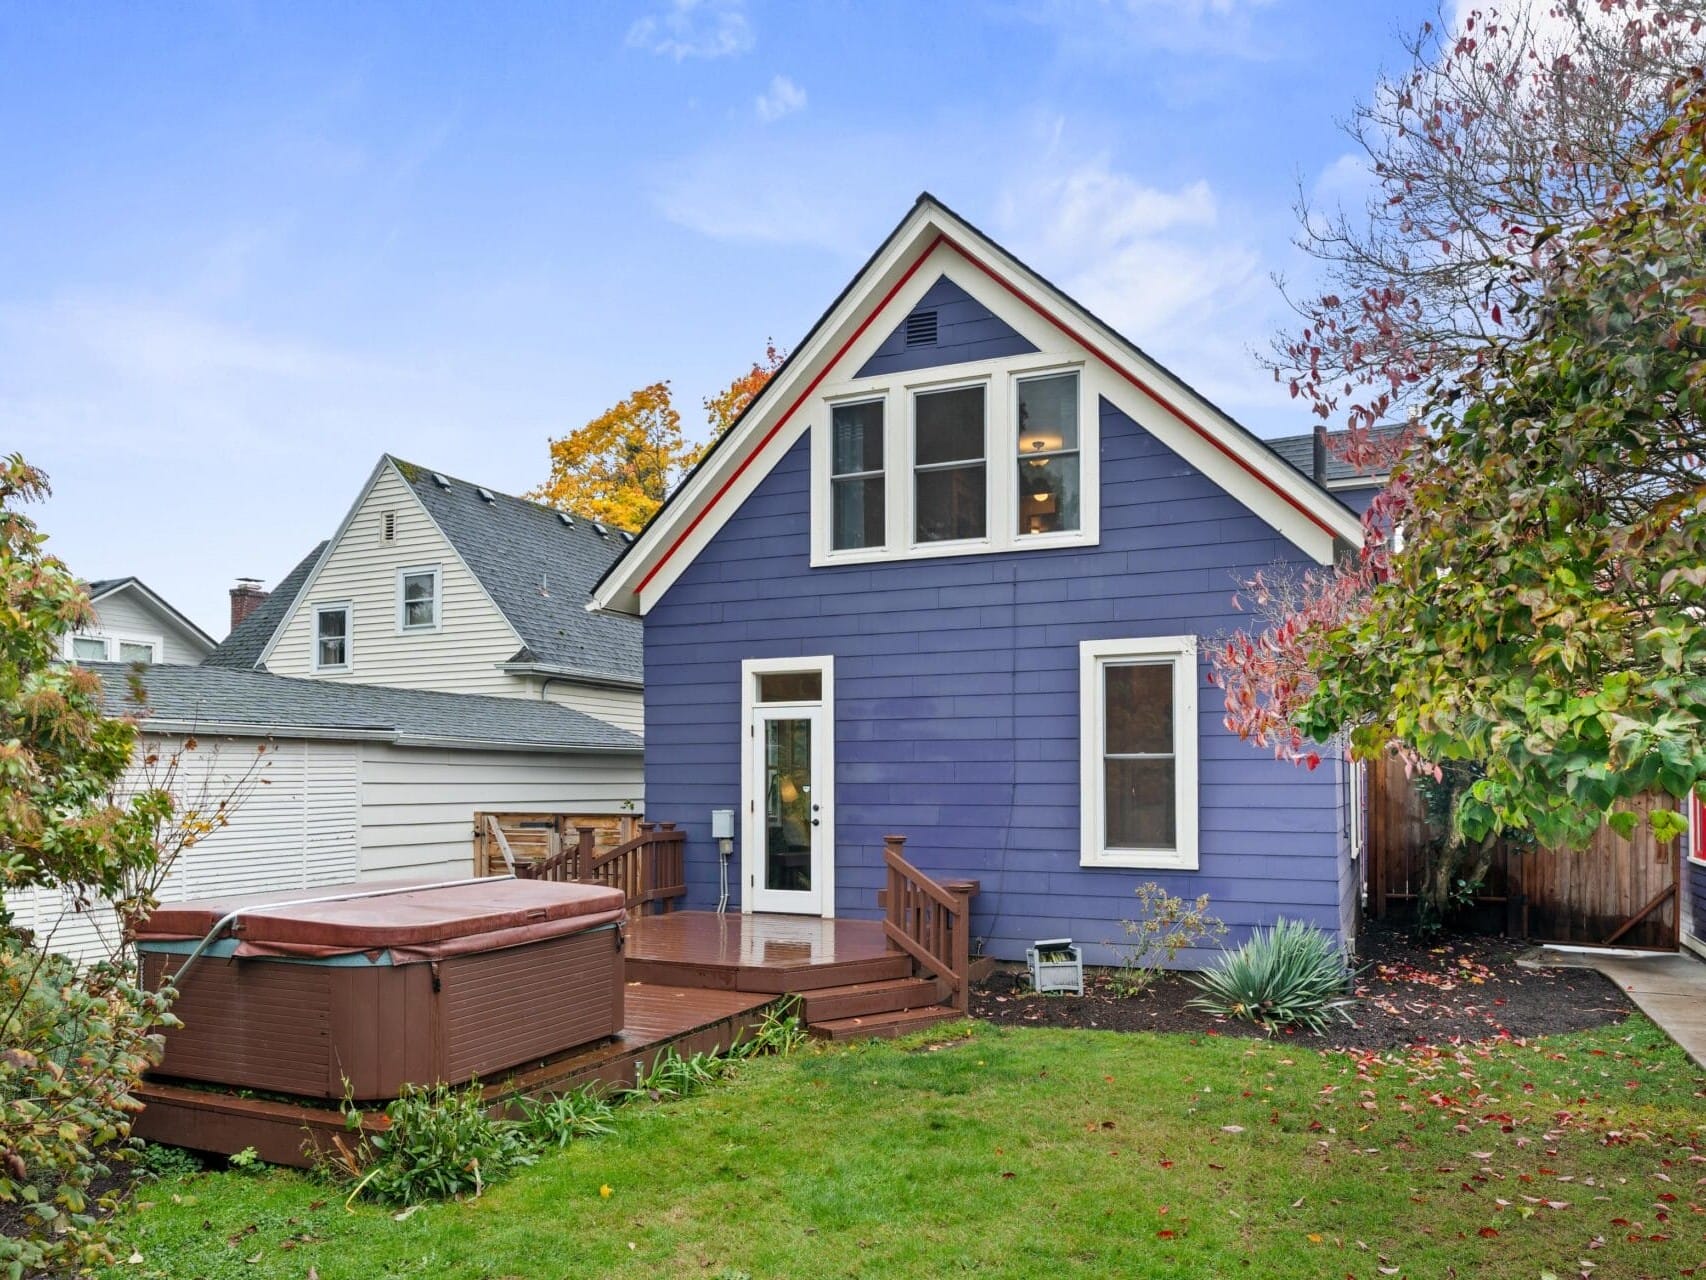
1165	925
566	1118
439	1142
157	1160
1292	975
75	1046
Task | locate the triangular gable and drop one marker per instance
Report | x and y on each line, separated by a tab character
948	326
929	243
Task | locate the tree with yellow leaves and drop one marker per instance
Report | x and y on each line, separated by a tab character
620	467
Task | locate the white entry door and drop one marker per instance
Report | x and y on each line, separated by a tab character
788	847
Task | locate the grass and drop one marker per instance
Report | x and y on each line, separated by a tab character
1025	1152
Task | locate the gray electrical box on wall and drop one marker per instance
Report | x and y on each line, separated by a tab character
722	824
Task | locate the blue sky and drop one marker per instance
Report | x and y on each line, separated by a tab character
244	248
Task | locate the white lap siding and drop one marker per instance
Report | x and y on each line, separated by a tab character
624	708
295	826
418	803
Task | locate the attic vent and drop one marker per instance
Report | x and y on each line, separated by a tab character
441	481
600	530
567	519
388	527
485	495
921	329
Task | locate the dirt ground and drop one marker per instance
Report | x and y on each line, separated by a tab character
1457	988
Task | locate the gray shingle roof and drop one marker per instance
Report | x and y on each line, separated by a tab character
210	699
242	649
539	571
1299	451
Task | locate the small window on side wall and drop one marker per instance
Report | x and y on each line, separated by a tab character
1048	454
417	599
1137	701
332	637
856	480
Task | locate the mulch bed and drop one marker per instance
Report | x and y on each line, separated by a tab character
1458	988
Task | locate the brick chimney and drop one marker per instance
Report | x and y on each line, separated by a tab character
246	597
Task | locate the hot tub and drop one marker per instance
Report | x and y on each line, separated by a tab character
415	985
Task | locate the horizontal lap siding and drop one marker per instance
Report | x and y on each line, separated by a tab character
418	803
127	615
965	330
1696	888
957	704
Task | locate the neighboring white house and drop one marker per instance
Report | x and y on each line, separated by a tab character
345	781
133	624
437	583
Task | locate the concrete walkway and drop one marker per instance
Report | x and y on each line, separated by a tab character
1669	989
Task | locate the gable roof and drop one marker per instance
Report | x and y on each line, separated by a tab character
1184	419
102	587
257	703
1299	451
539	566
242	649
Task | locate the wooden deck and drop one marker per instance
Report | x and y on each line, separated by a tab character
687	1020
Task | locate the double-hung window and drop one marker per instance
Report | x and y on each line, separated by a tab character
332	637
418	599
856	479
1048	454
950	477
1138	729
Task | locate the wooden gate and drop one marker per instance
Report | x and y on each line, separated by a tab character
1613	892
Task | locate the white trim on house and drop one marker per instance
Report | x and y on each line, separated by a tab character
823	765
156	646
347	608
414	571
1180	419
1094	658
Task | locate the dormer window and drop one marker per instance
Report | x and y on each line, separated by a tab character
418	599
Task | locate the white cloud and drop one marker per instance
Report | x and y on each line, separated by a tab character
1104	30
694	29
782	98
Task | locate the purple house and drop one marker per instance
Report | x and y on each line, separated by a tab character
952	575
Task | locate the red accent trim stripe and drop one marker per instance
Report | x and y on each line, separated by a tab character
1092	348
791	410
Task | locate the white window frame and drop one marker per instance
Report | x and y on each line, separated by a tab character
1094	657
112	640
347	608
1000	379
414	571
1356	774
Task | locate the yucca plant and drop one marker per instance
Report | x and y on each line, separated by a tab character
1291	975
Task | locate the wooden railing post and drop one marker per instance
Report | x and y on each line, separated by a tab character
586	839
928	921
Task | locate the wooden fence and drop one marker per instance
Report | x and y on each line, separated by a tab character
533	837
1613	892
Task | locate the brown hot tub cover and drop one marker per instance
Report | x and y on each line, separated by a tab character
412	925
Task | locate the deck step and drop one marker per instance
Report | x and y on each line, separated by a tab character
883	1026
862	999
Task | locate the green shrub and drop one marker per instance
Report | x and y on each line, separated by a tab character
439	1142
1292	975
157	1160
1166	924
566	1118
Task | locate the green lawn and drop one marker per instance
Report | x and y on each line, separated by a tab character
1052	1154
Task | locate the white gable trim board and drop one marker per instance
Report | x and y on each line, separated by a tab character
930	243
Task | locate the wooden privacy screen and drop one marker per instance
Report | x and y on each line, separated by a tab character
1613	892
537	836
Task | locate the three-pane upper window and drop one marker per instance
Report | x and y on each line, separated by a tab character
417	599
951	491
332	637
994	464
856	484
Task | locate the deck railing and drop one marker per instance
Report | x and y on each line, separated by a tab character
931	922
650	869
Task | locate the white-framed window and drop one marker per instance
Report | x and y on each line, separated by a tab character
998	456
418	602
114	648
1138	752
332	636
857	483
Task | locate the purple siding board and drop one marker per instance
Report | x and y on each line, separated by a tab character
965	330
1696	873
956	716
1357	499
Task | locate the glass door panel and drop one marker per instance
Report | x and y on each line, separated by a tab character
790	812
